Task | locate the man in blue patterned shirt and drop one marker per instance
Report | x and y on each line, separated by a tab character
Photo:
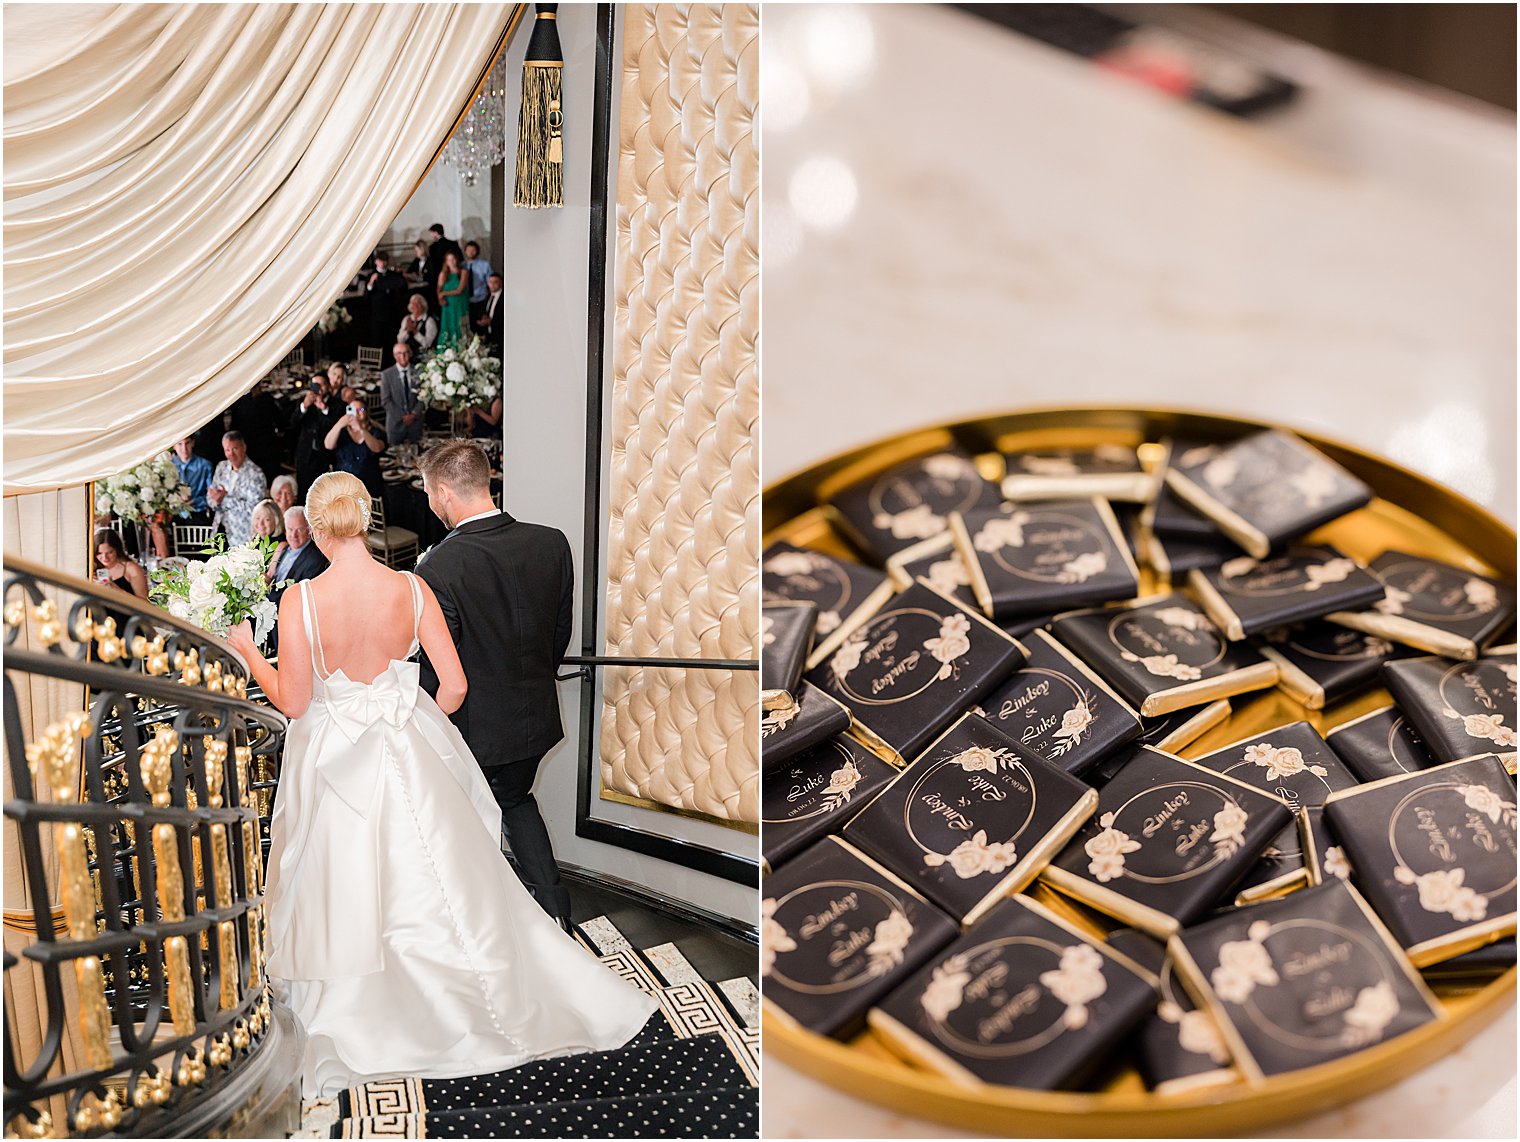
235	488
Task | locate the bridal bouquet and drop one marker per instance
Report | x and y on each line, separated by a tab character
220	592
461	378
148	493
335	316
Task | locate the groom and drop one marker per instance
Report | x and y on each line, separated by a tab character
506	588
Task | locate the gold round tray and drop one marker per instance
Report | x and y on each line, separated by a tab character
1411	513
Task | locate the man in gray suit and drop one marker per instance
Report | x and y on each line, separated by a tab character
398	396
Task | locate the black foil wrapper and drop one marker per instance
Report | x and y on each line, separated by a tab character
1380	744
1458	708
811	720
937	561
1434	853
841	589
1021	1000
786	638
911	502
1320	663
1434	606
1245	596
815	793
837	933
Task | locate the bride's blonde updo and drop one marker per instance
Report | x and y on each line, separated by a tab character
338	505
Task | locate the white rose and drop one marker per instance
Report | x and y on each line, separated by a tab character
455	372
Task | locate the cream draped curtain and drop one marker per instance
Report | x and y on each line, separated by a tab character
187	188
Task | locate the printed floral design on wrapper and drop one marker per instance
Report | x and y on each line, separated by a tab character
1485	727
777	720
885	951
1083	567
1106	850
841	786
1220	472
948	466
828	622
1336	864
947	575
1481	594
1393	601
947	988
1511	670
1488	802
976	856
954	640
1244	965
774	938
1182	619
1316	484
1074	723
1229	830
1443	891
1197	1033
1077	982
1165	666
847	657
917	522
789	564
1283	762
1001	531
1330	571
1374	1009
980	759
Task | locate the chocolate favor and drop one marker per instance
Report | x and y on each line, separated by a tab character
1174	556
1170	840
1266	488
1380	744
1433	606
1247	595
971	820
1294	763
1458	708
786	636
1434	852
1054	706
914	666
1170	517
1023	999
844	592
1034	558
837	932
1180	1046
1319	662
910	502
788	730
815	793
1109	470
936	561
1302	980
1171	732
1163	654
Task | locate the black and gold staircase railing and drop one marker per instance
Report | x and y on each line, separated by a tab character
139	786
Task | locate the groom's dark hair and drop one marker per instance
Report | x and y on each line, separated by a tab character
461	464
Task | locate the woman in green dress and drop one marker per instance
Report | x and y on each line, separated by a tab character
454	294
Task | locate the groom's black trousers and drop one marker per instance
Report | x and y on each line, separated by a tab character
527	835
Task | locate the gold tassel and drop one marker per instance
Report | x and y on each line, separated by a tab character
540	118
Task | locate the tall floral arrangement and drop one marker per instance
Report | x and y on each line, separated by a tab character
221	591
335	317
148	493
461	378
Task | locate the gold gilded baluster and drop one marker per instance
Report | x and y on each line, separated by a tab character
58	753
157	769
252	864
221	864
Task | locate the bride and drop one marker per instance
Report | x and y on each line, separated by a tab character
398	933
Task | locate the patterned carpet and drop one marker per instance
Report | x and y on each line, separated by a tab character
692	1072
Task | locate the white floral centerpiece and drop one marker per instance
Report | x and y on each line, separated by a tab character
148	493
219	592
461	378
335	317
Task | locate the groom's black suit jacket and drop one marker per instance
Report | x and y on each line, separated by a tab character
507	590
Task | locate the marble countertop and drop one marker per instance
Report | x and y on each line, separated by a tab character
960	221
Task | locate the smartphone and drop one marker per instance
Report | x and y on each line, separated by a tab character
353	409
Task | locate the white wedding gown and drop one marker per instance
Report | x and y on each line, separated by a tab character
398	933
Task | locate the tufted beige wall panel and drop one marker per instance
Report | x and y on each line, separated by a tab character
684	528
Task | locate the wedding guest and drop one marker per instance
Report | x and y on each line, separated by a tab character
488	324
480	273
440	246
237	485
418	329
298	557
356	446
453	293
114	567
387	291
317	412
257	416
398	396
284	493
417	267
337	376
266	522
195	471
486	423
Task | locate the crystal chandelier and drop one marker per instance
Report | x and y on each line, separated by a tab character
480	141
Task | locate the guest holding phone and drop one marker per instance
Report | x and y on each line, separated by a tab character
356	444
113	566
